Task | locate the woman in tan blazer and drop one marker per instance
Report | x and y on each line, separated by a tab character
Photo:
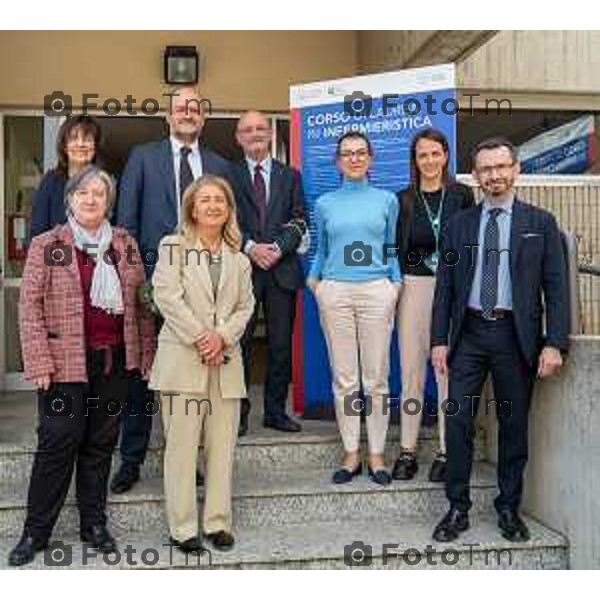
203	289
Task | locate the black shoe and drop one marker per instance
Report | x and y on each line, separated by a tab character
221	540
24	552
99	537
243	428
437	472
192	546
380	476
451	526
406	466
125	478
199	479
512	527
282	423
345	475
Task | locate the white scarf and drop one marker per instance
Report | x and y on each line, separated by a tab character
106	292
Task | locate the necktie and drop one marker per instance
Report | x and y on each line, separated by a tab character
260	198
489	265
186	177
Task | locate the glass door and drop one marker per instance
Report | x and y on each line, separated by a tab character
23	165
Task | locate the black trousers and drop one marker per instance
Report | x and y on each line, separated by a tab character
78	427
279	307
488	347
136	421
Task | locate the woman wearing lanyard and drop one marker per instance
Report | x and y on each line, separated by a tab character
356	289
426	205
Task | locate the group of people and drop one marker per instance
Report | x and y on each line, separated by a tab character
218	241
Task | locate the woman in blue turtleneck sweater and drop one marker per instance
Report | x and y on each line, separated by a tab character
356	290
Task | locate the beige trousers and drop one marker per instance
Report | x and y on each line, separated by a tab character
414	336
184	420
357	319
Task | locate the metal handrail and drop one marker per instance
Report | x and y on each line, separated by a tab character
589	269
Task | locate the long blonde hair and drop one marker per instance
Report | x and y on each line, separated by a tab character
231	231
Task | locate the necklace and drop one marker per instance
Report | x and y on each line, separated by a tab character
432	260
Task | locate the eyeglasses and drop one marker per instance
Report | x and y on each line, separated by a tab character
81	143
488	170
259	129
358	154
83	194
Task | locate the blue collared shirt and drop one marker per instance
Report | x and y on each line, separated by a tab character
265	166
504	220
195	163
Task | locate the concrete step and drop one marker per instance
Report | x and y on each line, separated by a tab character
317	446
265	499
325	545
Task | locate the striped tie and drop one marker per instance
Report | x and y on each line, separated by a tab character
489	265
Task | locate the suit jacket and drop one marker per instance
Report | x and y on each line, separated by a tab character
184	295
286	202
48	204
147	203
537	267
51	309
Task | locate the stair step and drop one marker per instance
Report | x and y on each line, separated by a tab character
323	545
267	498
317	446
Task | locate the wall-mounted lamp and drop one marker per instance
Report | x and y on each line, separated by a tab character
180	64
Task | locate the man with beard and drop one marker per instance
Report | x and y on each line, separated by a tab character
149	207
487	318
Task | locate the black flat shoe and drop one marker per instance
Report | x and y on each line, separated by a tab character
345	475
221	540
380	476
245	407
451	526
24	552
437	472
191	546
99	537
282	423
199	479
406	466
125	478
512	527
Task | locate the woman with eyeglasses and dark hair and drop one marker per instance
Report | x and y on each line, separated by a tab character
356	291
76	147
425	205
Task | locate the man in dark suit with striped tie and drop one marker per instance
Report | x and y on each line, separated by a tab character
487	318
149	207
271	214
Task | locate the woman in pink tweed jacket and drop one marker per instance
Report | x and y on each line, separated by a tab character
82	330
